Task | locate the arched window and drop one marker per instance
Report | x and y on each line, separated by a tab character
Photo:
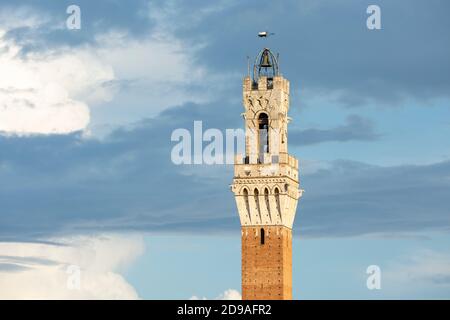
247	205
256	195
262	236
277	200
266	200
263	133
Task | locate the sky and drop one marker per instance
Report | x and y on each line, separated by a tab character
93	207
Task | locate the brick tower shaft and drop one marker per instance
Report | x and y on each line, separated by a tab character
266	267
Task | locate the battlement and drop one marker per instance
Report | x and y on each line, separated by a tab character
265	84
267	158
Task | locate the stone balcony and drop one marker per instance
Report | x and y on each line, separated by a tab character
266	165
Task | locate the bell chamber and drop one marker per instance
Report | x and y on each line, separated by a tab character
266	65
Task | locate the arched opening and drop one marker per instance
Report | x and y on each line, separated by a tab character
256	195
247	205
262	236
266	200
263	133
277	200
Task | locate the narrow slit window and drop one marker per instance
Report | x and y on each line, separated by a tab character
262	236
247	205
263	135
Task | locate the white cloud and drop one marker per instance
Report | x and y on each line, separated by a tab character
424	266
53	90
425	274
22	17
153	73
229	294
197	298
48	92
160	70
40	271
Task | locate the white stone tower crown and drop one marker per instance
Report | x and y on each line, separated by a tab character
266	180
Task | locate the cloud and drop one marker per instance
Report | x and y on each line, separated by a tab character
347	63
55	87
352	198
162	73
76	183
356	128
81	172
230	294
22	18
71	184
41	92
424	266
49	271
424	273
385	67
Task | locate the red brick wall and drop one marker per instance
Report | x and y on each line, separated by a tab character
266	268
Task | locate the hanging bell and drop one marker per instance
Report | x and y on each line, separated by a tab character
265	62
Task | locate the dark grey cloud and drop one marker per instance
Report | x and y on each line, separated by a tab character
356	128
324	46
352	198
11	267
97	17
18	264
26	260
60	183
68	184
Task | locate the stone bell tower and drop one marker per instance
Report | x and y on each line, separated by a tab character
266	184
